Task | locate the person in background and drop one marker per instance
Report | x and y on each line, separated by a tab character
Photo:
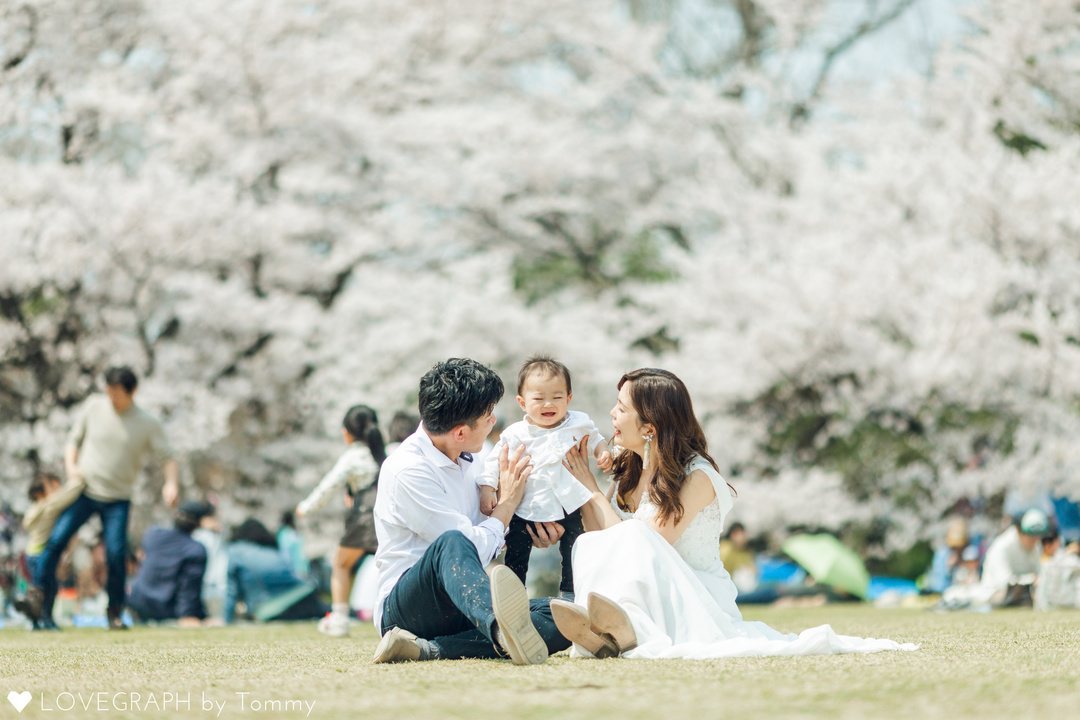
169	582
402	425
948	558
48	499
1059	580
215	579
1051	543
291	545
1013	559
260	578
106	448
358	470
738	558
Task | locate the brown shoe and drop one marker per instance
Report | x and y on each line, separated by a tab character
30	606
609	619
115	621
574	624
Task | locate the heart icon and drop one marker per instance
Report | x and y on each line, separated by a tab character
19	700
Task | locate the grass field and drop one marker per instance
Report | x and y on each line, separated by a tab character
1010	664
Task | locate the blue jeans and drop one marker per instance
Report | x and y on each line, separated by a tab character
114	521
446	598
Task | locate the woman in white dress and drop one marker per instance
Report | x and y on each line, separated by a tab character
647	572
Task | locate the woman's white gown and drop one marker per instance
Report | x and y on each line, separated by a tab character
680	599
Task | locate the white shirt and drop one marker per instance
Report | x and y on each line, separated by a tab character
423	494
356	468
1006	560
550	491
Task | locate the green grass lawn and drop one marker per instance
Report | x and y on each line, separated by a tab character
1009	664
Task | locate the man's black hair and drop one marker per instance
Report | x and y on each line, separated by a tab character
458	391
122	376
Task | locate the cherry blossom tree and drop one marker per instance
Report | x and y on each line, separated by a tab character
274	210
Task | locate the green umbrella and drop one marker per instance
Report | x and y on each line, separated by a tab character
829	561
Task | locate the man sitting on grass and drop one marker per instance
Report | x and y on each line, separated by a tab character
169	583
435	600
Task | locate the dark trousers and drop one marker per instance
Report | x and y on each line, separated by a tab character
114	521
309	607
446	598
519	547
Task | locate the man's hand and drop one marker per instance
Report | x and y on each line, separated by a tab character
171	491
71	462
546	534
487	499
514	469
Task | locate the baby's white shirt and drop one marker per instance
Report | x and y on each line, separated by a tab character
550	490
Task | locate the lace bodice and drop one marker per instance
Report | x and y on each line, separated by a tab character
699	545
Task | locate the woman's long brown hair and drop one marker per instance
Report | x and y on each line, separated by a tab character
661	399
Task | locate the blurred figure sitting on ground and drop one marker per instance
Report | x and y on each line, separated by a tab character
947	560
168	585
1059	581
215	579
291	545
261	578
1051	543
1011	566
738	558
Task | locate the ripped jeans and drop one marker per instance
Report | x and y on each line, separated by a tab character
446	598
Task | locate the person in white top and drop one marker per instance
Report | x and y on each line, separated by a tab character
1013	558
648	566
358	470
435	600
548	431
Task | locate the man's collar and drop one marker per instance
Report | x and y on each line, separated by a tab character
433	453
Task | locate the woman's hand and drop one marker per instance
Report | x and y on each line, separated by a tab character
576	461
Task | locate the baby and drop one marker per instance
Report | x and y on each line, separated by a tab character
549	429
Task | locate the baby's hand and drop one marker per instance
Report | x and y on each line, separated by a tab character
603	461
487	499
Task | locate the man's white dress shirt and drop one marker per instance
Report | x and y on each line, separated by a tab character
551	491
423	494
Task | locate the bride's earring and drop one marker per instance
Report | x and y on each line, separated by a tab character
648	443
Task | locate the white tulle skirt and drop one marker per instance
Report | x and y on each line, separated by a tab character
680	612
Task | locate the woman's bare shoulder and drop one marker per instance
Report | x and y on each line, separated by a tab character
699	487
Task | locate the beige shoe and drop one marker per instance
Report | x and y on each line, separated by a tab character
515	632
609	619
397	646
574	624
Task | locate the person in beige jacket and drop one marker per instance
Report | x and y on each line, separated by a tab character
48	499
106	448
